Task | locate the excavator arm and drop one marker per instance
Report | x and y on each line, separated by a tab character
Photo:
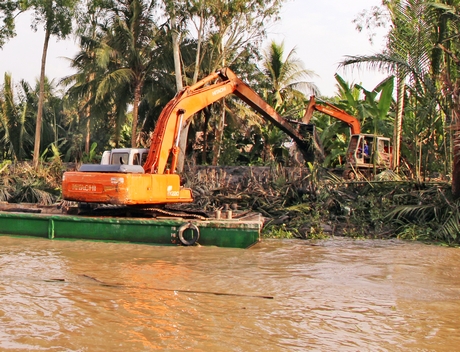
333	111
164	142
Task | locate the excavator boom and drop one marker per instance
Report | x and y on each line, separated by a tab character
193	99
156	182
333	111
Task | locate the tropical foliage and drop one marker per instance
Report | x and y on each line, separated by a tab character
421	53
136	54
127	70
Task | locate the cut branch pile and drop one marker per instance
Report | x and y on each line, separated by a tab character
314	203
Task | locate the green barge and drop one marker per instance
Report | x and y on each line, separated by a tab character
242	232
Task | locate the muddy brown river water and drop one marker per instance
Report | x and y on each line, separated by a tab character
280	295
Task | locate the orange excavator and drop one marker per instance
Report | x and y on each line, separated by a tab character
365	152
156	181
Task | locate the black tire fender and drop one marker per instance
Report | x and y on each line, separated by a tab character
196	234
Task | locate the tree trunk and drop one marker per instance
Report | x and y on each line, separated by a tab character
176	54
88	133
137	98
21	134
196	71
456	163
218	136
207	118
456	140
41	98
88	117
398	122
179	87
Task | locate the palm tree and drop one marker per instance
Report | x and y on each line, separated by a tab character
83	84
287	78
9	117
126	54
285	88
447	41
83	87
16	119
408	56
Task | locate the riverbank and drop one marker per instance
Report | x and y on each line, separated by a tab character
317	203
295	202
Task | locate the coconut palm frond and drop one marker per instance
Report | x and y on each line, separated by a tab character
411	213
306	87
286	74
450	229
30	193
113	81
333	178
5	195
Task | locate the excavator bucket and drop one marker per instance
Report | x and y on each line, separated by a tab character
312	148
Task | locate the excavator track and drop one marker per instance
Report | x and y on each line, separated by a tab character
126	211
176	213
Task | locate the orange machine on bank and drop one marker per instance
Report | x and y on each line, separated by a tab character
365	152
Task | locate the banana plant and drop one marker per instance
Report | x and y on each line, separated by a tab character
380	123
372	113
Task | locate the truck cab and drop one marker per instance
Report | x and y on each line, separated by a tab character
125	156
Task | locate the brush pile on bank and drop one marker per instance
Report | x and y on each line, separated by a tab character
21	183
314	203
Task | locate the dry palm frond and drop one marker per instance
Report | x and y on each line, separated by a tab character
387	175
32	192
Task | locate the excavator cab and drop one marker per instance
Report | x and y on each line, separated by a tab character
365	151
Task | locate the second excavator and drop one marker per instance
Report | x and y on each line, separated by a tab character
366	152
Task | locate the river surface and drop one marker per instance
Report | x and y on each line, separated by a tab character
280	295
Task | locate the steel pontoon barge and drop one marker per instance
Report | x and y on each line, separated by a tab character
32	221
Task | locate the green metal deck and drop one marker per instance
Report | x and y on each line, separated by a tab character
237	233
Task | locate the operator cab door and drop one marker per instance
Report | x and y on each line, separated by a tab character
360	150
384	152
140	157
355	150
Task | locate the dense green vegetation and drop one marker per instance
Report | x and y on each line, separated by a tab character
135	55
